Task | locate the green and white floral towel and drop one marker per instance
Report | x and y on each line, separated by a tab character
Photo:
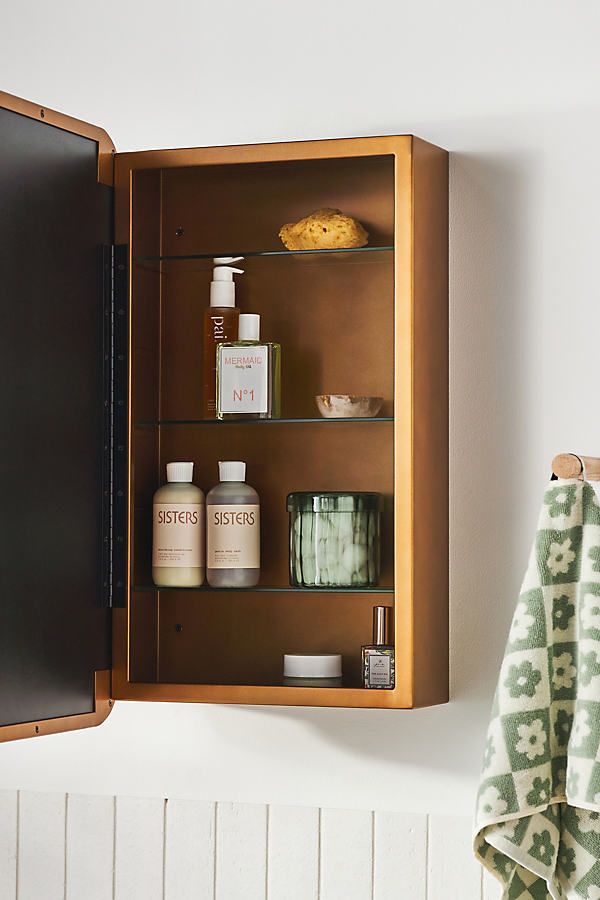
538	815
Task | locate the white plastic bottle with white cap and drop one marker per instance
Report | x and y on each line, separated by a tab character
232	530
178	544
220	324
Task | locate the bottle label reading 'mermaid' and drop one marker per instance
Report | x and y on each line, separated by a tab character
178	535
233	536
243	380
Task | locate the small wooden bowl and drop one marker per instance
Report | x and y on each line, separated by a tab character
348	406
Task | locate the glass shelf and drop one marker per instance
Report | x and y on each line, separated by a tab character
206	589
247	254
312	421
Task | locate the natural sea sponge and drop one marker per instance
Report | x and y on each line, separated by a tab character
325	229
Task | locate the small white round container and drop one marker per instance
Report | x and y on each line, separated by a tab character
312	669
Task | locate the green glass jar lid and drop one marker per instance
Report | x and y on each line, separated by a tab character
334	501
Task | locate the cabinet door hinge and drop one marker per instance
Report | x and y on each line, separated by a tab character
115	425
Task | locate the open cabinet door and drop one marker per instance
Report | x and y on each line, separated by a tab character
55	219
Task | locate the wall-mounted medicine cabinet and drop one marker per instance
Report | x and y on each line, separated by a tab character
107	260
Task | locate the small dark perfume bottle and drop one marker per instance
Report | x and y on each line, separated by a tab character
379	658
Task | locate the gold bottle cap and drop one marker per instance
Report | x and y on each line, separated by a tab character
382	624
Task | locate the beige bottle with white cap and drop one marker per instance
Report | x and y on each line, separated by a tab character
232	530
178	530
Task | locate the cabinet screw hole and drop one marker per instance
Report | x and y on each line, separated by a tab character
110	703
37	729
43	116
179	627
179	231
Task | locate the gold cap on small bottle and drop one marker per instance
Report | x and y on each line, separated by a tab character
382	625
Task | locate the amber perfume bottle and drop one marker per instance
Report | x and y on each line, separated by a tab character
379	658
220	324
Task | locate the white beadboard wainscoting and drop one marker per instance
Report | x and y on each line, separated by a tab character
75	847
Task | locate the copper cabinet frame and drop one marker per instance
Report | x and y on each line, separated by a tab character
106	148
102	708
420	441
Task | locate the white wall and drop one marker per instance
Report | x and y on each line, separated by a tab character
513	90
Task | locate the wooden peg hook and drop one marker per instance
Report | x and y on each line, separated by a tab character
569	465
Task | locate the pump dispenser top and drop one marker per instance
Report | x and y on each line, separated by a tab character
222	286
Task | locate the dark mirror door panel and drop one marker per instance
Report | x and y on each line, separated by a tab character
54	219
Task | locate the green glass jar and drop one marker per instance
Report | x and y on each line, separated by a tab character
334	539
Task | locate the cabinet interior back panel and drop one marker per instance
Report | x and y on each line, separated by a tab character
222	208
